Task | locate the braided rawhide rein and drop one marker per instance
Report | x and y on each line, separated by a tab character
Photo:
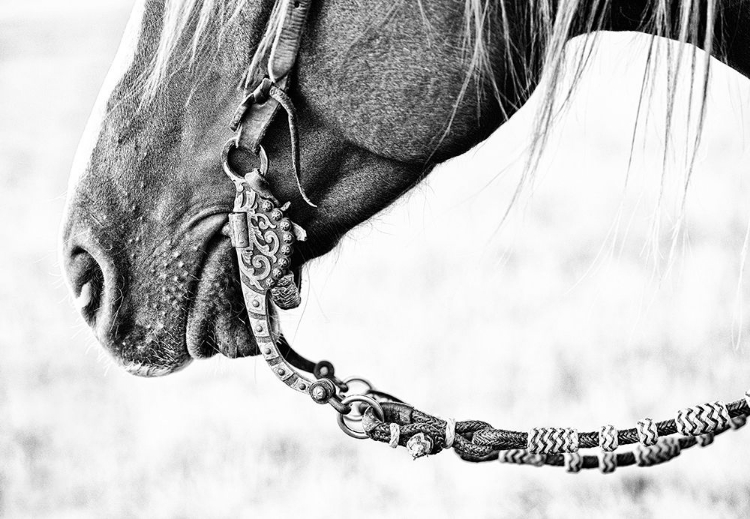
478	441
263	238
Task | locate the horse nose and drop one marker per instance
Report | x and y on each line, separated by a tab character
88	282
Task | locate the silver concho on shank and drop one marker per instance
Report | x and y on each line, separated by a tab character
264	240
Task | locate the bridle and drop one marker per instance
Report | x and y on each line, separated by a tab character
264	238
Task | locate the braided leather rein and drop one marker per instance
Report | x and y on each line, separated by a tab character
264	239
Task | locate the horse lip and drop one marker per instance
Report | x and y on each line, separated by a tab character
210	247
206	318
140	369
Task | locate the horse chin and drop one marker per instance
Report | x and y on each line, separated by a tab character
216	320
142	369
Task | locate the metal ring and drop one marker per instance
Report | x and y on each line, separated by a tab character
361	435
229	146
232	145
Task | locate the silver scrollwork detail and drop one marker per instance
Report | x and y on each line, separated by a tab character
267	256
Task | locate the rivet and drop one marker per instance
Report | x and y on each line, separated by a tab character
256	303
259	328
281	371
319	393
267	351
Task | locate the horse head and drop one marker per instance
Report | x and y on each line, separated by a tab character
383	93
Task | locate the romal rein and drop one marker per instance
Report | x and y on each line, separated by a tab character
264	239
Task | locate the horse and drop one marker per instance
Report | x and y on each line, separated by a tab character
384	91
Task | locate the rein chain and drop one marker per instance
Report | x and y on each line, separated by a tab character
264	239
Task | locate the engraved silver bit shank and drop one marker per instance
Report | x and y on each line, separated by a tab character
264	240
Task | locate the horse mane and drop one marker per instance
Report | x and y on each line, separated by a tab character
192	28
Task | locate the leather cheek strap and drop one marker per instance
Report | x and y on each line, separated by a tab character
286	44
257	120
279	64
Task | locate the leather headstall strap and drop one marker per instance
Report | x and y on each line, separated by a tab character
266	85
264	92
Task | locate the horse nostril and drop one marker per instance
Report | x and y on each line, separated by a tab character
87	281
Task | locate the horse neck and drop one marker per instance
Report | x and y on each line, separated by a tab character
729	25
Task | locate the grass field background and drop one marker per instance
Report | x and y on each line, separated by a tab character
560	317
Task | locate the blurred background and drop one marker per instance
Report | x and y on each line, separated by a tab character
572	313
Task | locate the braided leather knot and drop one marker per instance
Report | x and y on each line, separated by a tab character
608	438
703	418
552	440
647	433
573	462
664	450
705	439
520	457
395	431
607	462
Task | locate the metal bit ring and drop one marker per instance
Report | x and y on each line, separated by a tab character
232	145
360	435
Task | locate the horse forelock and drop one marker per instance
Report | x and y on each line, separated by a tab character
192	32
